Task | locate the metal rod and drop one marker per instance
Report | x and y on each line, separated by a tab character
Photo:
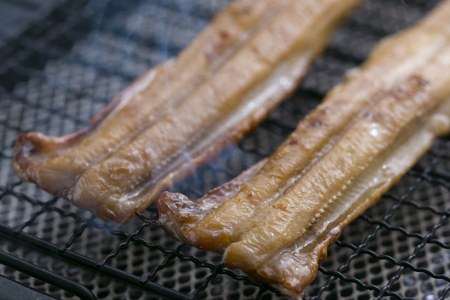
47	276
88	263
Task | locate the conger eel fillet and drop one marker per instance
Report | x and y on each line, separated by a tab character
276	220
184	112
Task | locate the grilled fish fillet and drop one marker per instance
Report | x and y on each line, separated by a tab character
185	111
276	220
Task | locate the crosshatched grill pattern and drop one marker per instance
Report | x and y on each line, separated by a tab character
64	69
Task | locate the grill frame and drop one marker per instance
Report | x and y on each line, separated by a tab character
56	40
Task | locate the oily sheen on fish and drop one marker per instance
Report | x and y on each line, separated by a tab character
276	220
183	112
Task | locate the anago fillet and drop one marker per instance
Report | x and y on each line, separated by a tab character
277	219
182	113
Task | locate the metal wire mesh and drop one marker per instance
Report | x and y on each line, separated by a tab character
65	68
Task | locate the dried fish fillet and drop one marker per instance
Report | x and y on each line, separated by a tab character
185	111
276	220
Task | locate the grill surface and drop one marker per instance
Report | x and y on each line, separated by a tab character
64	69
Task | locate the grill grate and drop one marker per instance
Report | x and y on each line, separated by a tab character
65	68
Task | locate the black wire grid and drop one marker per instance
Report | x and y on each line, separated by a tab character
66	67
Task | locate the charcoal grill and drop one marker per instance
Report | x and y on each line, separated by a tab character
72	59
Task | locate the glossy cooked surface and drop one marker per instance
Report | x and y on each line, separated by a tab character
399	95
183	112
